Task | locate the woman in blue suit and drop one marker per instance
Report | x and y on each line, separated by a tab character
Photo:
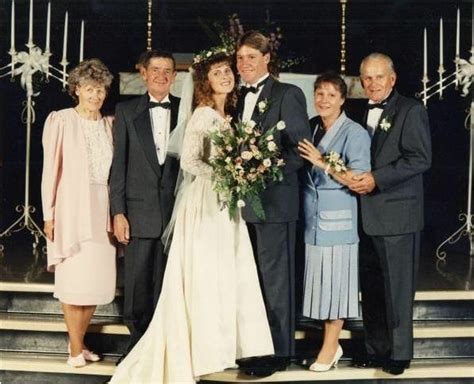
331	284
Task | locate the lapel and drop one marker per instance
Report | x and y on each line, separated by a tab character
380	136
174	111
144	131
265	94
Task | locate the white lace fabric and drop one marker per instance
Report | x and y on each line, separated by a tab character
197	148
99	150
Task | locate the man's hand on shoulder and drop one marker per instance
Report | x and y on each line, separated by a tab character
363	183
121	228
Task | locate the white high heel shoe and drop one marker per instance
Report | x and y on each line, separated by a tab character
318	367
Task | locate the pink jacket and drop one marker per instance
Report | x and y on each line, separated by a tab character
65	184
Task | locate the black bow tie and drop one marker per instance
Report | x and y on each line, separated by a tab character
244	91
377	105
165	105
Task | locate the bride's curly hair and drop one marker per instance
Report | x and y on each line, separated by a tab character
202	89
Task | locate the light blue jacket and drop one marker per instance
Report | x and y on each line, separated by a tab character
330	208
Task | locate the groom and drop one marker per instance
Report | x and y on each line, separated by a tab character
273	239
142	183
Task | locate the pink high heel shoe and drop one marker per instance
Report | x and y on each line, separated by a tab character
88	355
77	361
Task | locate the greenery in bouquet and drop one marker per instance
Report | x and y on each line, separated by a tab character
228	36
246	158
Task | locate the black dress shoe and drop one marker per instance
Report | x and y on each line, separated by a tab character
396	367
370	361
250	362
268	366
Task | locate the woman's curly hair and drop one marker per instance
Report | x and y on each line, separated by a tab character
202	89
88	71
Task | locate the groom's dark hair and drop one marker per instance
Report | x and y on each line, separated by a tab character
260	42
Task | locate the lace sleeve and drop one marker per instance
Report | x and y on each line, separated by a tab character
196	145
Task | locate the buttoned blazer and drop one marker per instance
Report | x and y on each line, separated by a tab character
140	187
284	102
330	208
399	156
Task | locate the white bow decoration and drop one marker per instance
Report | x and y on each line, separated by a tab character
31	62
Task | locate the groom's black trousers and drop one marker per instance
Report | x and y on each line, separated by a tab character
274	249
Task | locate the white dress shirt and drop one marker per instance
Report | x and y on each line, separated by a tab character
251	98
160	123
373	118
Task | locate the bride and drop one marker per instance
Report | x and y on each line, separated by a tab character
211	310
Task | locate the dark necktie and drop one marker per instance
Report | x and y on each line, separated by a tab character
377	105
165	105
244	91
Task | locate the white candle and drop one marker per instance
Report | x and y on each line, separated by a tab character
458	28
441	42
48	27
81	43
65	37
425	54
30	25
12	36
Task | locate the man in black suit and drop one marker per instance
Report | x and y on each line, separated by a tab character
392	215
142	184
267	101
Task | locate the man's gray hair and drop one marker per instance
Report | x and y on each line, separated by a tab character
376	56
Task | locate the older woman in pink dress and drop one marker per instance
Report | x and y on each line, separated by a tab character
77	146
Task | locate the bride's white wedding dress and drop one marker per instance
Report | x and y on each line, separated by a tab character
211	310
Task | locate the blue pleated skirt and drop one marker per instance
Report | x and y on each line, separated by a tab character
331	283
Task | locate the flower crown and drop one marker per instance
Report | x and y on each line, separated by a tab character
207	54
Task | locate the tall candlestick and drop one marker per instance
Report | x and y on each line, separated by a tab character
30	26
425	54
441	42
65	37
458	28
48	27
12	35
81	43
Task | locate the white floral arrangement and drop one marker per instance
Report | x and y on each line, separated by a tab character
208	53
385	124
245	160
263	106
334	161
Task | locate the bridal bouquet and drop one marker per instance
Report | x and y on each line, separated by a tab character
245	159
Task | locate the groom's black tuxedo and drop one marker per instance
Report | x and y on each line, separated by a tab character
392	215
142	190
274	238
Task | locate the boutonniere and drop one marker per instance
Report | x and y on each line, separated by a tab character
263	106
386	123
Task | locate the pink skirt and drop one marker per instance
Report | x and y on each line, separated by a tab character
89	276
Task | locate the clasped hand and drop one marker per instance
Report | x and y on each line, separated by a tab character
363	183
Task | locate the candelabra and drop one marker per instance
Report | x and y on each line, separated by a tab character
25	64
462	76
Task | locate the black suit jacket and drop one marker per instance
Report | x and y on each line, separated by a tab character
140	187
285	102
399	157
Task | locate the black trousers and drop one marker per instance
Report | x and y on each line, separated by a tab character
274	250
388	269
145	263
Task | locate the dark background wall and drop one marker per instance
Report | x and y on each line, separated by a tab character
116	33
